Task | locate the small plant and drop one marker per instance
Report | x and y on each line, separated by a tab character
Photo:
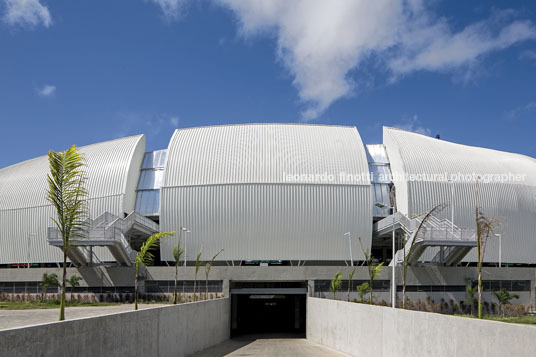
144	257
374	269
470	299
362	290
47	281
178	251
504	297
197	266
207	272
73	281
335	284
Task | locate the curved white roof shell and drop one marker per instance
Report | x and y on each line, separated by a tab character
513	201
112	175
228	185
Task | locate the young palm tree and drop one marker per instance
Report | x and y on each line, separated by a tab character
207	271
504	297
197	266
374	268
470	300
362	290
74	281
335	284
405	262
484	229
67	193
350	277
178	251
47	281
144	257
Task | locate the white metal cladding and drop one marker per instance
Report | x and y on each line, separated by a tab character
268	221
513	202
262	153
25	213
226	184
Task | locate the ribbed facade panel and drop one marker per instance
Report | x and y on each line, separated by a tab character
262	153
227	185
268	221
513	203
25	213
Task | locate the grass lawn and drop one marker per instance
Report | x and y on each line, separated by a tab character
525	319
23	305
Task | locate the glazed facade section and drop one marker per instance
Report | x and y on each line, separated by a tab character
228	185
112	175
512	201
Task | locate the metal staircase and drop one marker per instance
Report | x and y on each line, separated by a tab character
454	242
107	230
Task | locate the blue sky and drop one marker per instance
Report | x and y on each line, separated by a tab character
80	72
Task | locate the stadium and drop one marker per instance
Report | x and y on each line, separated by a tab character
288	206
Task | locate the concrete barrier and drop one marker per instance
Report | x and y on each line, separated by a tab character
364	330
177	330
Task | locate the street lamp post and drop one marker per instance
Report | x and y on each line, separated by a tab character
500	249
452	206
183	229
350	244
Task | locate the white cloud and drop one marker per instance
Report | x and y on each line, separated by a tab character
528	55
174	121
26	13
412	124
47	91
323	44
171	9
516	112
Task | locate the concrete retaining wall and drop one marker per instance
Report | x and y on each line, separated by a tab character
177	330
364	330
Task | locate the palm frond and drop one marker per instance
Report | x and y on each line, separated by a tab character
178	251
144	255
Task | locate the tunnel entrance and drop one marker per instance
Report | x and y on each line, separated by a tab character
268	308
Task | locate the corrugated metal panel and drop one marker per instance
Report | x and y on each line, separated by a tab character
513	202
226	184
262	153
274	221
25	213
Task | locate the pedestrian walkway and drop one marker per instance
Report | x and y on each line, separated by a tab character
20	318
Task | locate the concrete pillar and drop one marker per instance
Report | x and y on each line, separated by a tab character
310	287
226	288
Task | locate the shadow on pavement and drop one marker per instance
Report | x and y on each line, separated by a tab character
241	341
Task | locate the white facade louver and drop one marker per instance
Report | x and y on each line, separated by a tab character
513	201
112	175
228	186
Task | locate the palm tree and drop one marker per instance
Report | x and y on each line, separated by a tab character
374	268
504	297
405	262
67	193
350	277
197	266
335	284
178	251
144	257
74	281
362	290
484	229
207	271
47	281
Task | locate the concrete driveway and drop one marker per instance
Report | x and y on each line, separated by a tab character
268	346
